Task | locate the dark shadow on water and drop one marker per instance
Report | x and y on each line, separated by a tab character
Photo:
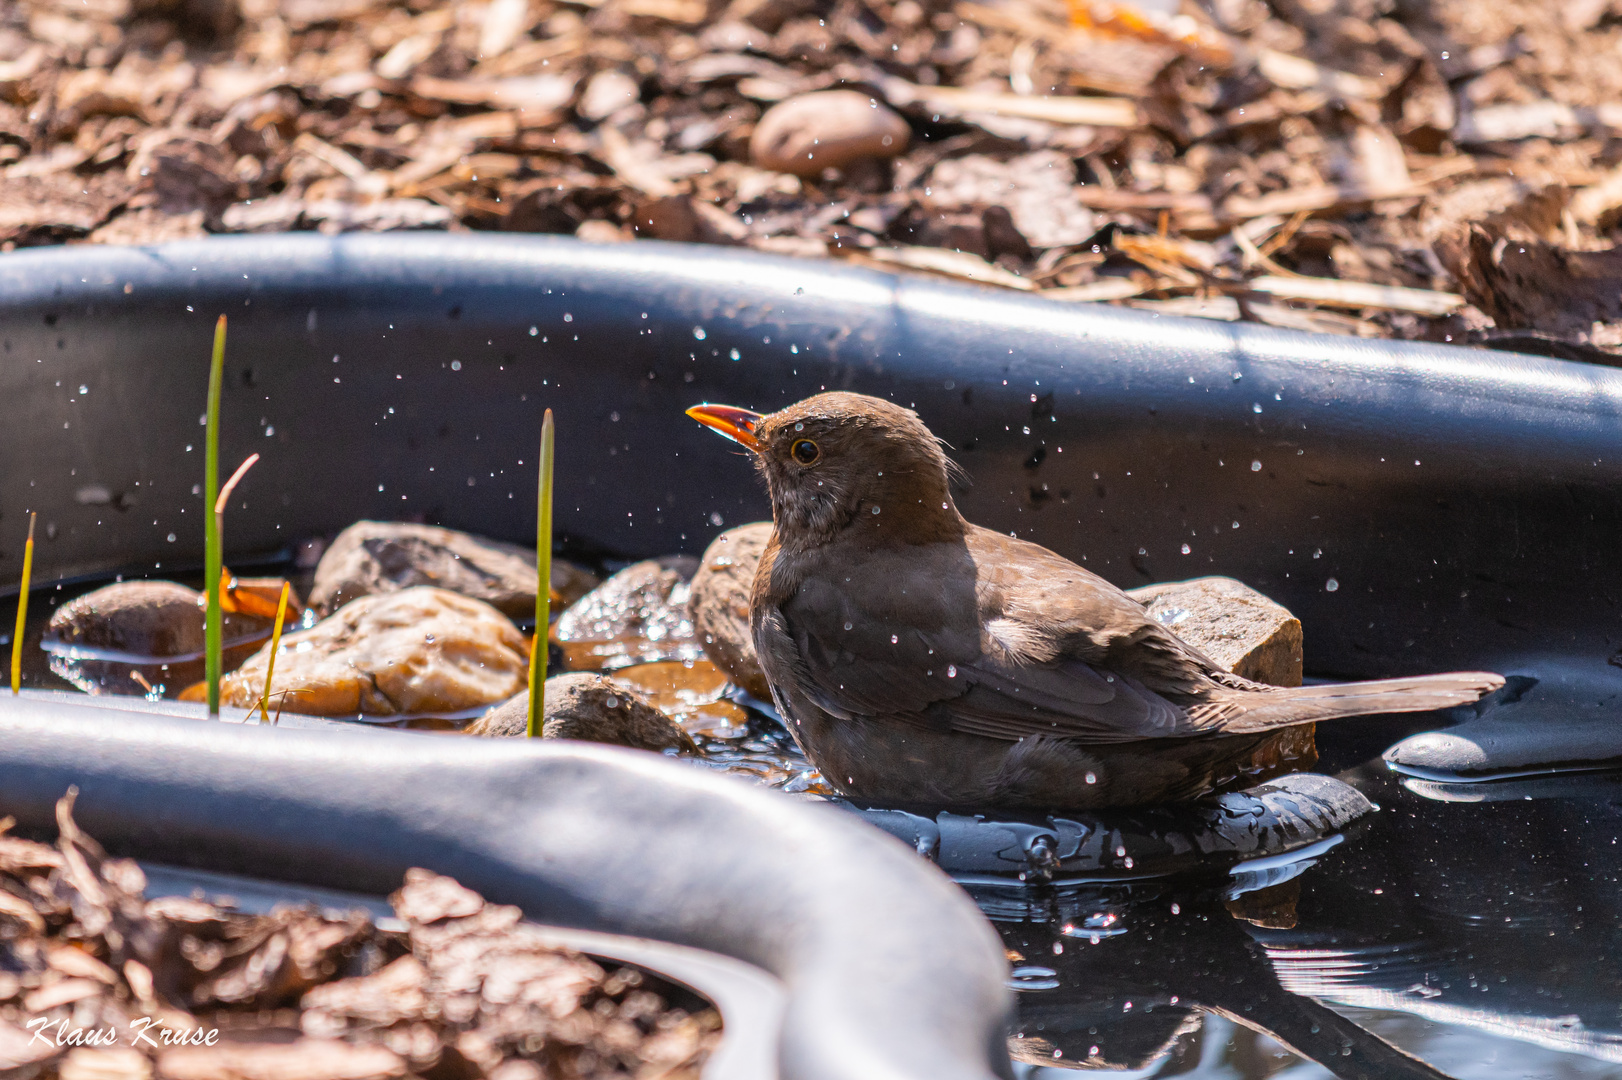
1479	938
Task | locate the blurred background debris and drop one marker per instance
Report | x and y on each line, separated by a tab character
1432	169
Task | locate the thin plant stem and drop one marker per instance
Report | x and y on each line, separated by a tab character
543	583
212	556
22	610
270	662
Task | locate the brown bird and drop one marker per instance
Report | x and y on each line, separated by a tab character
919	658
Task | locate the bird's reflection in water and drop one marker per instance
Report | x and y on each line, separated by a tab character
1492	925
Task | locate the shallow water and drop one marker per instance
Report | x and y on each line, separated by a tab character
1482	937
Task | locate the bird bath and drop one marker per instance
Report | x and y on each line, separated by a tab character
1419	509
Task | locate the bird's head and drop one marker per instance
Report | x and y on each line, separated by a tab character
837	462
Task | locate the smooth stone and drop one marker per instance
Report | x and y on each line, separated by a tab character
826	129
1230	622
1492	747
590	707
144	619
374	557
1584	785
719	604
419	651
638	615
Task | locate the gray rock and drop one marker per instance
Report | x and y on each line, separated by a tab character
719	604
1231	623
1502	747
373	557
638	615
592	708
827	129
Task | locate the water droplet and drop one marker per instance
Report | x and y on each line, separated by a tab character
1129	866
1143	551
698	332
611	701
456	365
1331	585
847	626
1318	554
1119	851
1177	909
1236	524
171	538
86	390
1256	466
716	519
895	639
429	638
945	507
735	354
1186	549
1256	407
875	509
799	427
800	291
951	671
534	330
1092	778
567	317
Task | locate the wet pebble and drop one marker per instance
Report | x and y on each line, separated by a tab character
593	708
135	618
373	557
418	651
693	692
1233	624
638	615
827	129
719	604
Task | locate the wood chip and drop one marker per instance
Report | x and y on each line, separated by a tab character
304	1059
1111	288
1299	73
1359	294
958	264
948	100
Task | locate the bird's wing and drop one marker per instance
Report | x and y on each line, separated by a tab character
976	651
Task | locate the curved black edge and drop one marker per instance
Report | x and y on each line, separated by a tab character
1494	551
891	971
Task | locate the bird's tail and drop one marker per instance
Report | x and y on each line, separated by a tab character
1244	711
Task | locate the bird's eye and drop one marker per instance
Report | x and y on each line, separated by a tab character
805	451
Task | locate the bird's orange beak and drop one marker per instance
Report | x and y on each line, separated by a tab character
736	424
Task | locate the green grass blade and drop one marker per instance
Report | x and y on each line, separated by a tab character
22	610
543	583
212	556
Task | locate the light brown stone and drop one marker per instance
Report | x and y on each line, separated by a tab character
590	707
827	129
372	557
719	604
417	651
1231	623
